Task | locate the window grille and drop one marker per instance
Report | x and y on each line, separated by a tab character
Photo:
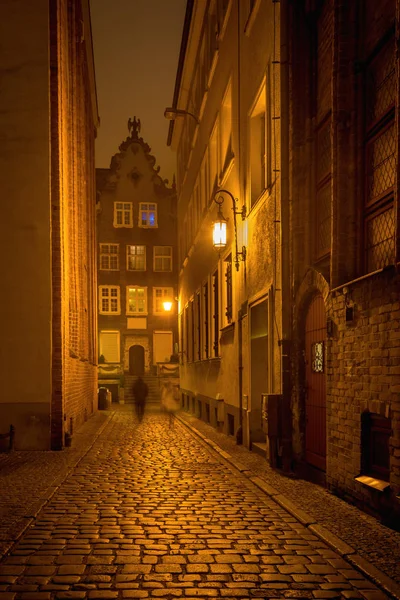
136	300
380	158
109	257
162	258
147	214
136	258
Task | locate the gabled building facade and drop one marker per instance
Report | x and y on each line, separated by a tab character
48	119
137	268
288	117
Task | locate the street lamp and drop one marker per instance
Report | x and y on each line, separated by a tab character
171	113
219	226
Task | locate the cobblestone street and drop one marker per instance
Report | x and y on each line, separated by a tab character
155	512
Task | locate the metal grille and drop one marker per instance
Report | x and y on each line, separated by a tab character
381	164
324	151
317	357
380	240
381	83
324	220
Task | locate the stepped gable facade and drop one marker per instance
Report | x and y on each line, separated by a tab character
137	266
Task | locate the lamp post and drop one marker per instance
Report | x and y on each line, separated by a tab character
219	226
171	113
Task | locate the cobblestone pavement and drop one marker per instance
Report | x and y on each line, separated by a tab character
371	540
154	512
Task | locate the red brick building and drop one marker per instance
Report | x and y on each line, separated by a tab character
137	268
48	119
344	139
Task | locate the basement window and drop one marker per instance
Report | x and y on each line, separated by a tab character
375	434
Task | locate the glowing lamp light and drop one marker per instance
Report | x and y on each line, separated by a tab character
167	305
219	233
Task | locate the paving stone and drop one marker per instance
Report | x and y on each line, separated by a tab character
150	512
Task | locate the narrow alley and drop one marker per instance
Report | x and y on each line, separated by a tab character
156	512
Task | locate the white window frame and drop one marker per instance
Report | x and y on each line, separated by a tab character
125	209
145	208
102	297
129	254
164	258
166	293
131	312
101	346
106	253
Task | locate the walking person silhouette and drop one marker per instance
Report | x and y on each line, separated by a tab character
140	393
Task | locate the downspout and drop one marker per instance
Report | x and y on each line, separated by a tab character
240	312
285	342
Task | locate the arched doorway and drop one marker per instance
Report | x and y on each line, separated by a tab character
315	380
136	360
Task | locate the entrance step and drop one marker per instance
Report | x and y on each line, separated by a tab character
259	448
152	382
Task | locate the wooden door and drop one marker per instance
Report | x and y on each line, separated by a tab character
136	360
315	404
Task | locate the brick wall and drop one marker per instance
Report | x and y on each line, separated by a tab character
74	377
363	375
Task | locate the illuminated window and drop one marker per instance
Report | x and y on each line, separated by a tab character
109	257
123	214
136	258
160	294
163	258
147	214
109	300
136	300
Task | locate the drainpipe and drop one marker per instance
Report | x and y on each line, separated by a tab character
285	342
240	374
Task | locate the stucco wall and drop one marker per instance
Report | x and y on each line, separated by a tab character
25	223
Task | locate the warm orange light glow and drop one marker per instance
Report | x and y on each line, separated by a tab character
219	234
167	305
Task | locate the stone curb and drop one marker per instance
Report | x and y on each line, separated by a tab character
54	487
382	580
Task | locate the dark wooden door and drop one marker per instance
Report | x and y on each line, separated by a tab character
136	360
315	405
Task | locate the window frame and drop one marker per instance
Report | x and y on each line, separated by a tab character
130	313
375	129
169	295
109	254
260	142
147	211
125	211
101	347
101	298
162	257
128	255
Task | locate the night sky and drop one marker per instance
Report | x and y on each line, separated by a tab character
136	49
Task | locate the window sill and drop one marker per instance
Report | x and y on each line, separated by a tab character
372	482
228	328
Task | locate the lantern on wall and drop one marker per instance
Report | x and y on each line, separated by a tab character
219	226
219	230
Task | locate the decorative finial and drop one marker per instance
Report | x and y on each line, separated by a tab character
134	127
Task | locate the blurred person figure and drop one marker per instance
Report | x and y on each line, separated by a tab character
140	392
170	401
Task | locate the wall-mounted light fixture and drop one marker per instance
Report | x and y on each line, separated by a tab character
219	226
167	305
171	113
